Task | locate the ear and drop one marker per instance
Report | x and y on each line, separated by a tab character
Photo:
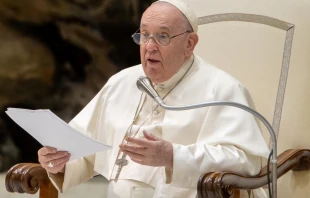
191	43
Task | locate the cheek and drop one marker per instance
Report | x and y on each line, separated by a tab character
174	59
142	53
171	57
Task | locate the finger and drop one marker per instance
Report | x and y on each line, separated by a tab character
47	150
134	155
139	142
138	161
150	136
133	148
50	157
59	154
60	160
56	169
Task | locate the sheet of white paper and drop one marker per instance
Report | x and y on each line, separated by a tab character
50	130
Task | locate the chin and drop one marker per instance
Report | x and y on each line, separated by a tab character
153	77
154	74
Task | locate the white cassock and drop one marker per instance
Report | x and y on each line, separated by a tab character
204	140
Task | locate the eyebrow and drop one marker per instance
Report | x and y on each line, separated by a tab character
161	27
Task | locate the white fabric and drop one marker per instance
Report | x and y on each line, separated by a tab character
153	125
204	140
129	189
186	10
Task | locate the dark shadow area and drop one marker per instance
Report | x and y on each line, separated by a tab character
75	63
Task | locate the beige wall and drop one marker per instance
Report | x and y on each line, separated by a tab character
253	53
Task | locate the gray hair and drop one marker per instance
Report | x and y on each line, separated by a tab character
187	26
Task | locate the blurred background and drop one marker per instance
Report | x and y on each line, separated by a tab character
57	54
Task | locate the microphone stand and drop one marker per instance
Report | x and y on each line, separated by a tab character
144	84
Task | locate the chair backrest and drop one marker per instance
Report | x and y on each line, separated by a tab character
283	72
266	45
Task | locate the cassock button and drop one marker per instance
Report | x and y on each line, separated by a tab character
156	112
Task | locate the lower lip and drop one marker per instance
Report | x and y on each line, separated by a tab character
152	62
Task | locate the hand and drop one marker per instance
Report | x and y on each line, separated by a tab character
151	151
58	159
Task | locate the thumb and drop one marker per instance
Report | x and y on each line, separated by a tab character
150	136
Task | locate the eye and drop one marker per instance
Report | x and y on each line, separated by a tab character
144	37
144	34
162	36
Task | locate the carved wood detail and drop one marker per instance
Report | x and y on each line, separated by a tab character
29	178
223	184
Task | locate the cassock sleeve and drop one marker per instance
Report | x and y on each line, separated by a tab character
77	172
229	140
82	169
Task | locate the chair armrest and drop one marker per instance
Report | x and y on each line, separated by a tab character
223	184
29	178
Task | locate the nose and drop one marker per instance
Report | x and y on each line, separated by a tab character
151	45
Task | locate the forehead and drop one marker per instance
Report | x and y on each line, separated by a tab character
162	15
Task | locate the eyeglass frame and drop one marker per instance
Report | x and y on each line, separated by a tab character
152	36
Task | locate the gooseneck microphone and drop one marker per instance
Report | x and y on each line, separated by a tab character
145	85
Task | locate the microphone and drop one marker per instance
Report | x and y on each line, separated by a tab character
145	85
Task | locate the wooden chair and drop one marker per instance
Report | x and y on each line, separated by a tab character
224	184
29	178
262	44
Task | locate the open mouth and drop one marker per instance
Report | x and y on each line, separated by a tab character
153	60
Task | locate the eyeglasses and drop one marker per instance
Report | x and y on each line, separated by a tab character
161	39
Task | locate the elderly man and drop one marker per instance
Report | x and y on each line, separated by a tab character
158	153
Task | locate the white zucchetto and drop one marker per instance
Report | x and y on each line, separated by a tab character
187	11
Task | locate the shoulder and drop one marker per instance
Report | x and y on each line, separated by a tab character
218	83
212	75
125	76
